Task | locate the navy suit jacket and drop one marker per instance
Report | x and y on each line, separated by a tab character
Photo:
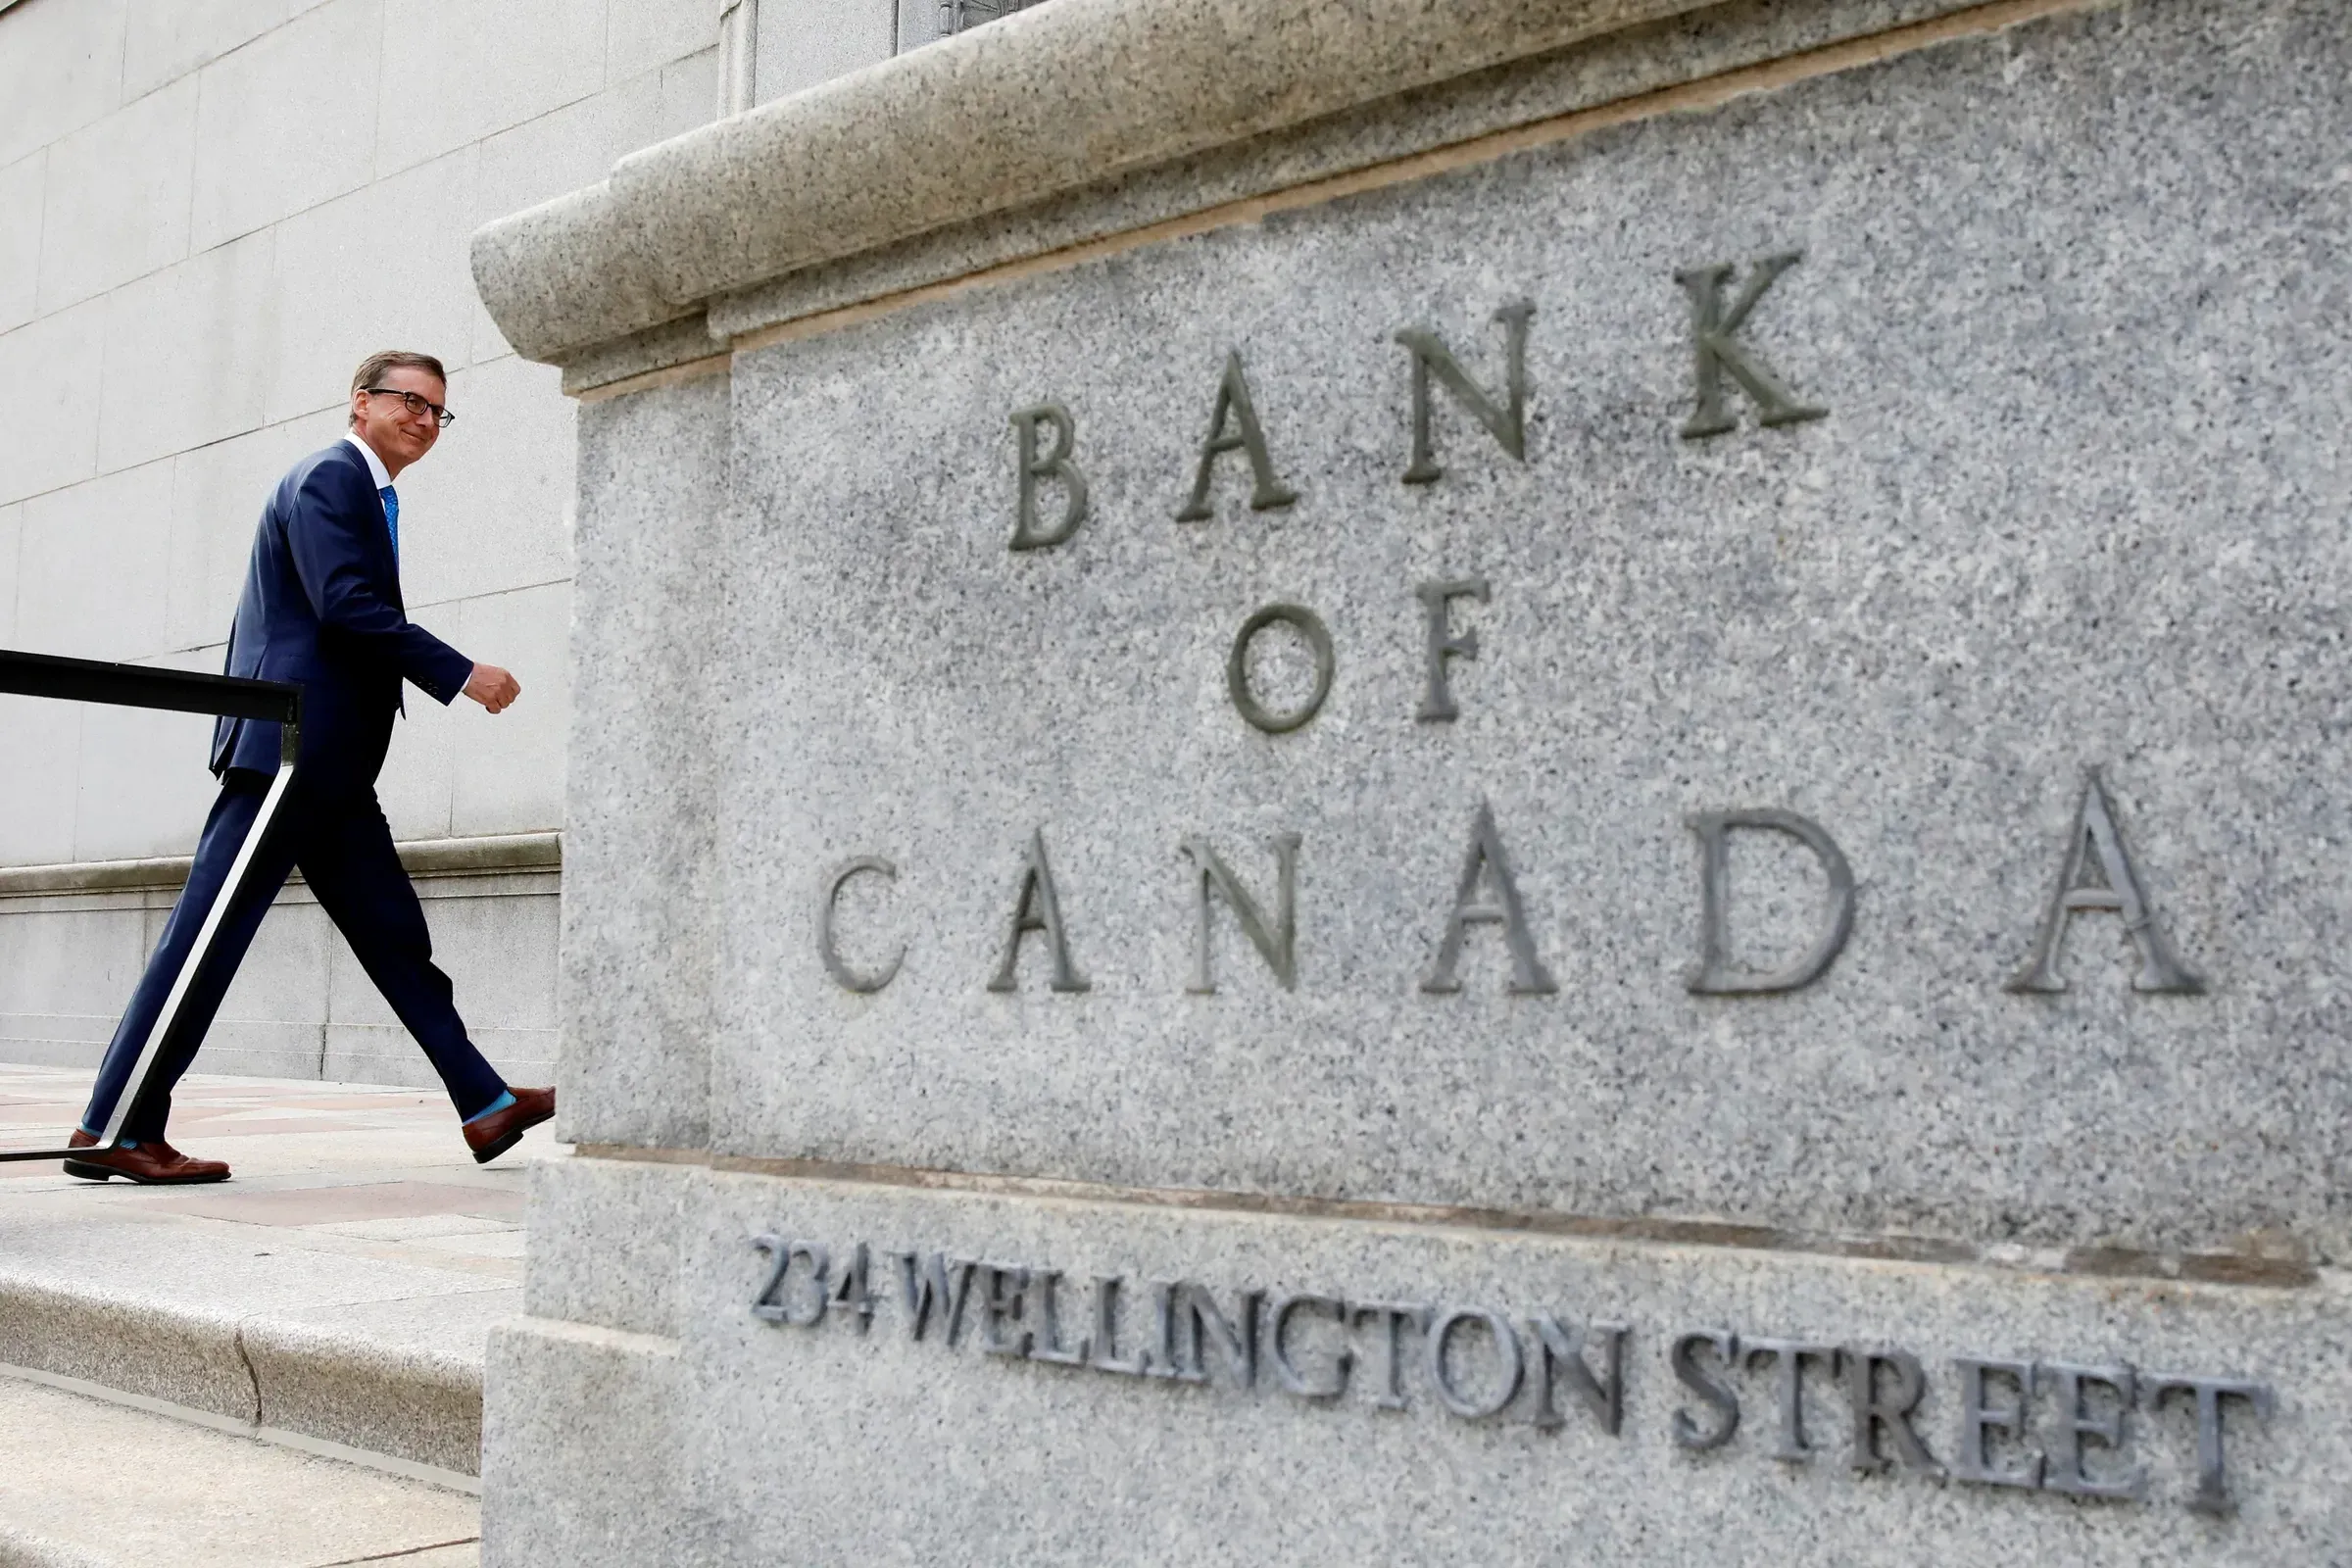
321	609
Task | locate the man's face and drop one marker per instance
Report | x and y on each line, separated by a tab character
385	424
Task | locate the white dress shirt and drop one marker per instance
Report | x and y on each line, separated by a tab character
375	464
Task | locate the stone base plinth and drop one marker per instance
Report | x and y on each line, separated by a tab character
997	1429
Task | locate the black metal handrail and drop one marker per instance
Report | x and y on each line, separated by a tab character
178	691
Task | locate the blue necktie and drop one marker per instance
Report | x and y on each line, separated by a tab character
392	519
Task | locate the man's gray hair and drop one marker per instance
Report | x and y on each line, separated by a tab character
372	369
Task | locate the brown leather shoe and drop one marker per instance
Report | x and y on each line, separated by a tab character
154	1163
502	1130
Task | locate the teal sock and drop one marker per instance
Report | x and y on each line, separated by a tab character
504	1098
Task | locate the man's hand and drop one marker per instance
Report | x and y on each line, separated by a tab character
492	687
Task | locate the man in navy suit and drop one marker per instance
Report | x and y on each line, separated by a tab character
321	609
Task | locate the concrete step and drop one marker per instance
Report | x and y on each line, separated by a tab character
337	1293
89	1482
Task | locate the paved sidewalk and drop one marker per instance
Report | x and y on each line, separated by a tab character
89	1483
347	1169
341	1286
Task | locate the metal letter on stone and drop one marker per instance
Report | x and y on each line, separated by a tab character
2066	1469
1883	1388
1162	1358
1487	863
1481	1364
770	1305
934	1287
1039	909
1394	1317
1003	1298
1286	1371
847	978
1510	1370
1716	1394
2097	874
1788	1390
1237	668
1979	1415
2213	1484
1278	943
1507	423
852	1293
1043	1288
1560	1346
1267	490
1027	534
1715	975
1203	1325
1716	348
1104	1343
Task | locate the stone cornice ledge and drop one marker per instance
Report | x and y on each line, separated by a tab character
486	856
1042	103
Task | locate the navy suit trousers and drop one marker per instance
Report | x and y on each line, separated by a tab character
344	848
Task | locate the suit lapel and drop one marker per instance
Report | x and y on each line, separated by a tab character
387	557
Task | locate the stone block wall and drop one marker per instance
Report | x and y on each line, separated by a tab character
1890	437
208	214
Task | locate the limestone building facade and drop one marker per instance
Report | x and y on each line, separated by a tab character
208	213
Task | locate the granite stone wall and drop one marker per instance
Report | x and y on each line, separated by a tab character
1606	838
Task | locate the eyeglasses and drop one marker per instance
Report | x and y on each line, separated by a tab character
418	406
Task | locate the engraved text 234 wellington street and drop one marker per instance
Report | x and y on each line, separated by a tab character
2010	1423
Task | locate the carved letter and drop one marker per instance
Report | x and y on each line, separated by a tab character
842	975
1486	861
2213	1486
2064	1471
1713	1390
1233	401
2097	874
1054	465
1237	668
1508	424
1286	1371
1437	706
1278	945
1978	1417
1716	349
1039	909
1789	1390
1888	1411
1715	974
1559	1346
